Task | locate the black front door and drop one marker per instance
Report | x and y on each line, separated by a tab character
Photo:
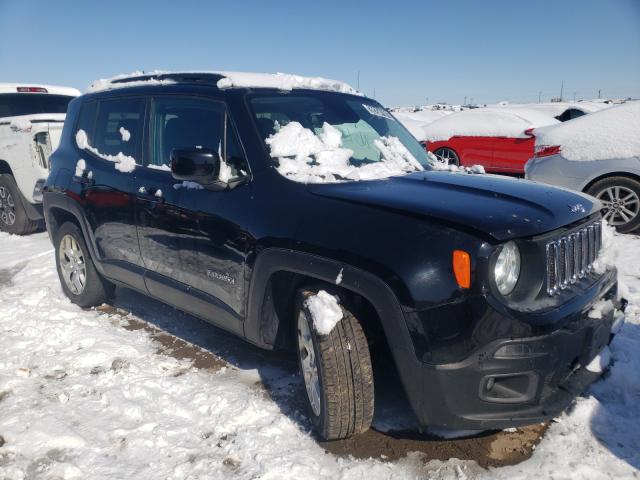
187	241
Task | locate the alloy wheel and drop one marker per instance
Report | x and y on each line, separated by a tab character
7	207
448	156
308	362
621	204
72	264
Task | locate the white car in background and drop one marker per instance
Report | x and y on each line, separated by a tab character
31	120
598	154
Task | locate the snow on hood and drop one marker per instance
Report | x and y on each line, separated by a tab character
611	133
306	157
485	122
280	81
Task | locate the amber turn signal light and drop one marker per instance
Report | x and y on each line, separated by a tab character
462	268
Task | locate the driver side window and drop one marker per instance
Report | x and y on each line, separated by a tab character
192	122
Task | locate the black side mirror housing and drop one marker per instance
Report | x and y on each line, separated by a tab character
199	165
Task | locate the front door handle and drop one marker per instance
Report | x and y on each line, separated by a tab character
152	194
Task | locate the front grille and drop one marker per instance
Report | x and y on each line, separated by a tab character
571	257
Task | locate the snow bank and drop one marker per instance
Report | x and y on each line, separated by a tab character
611	133
325	311
306	157
486	122
123	163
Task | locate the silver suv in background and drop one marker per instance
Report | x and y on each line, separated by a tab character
598	154
31	120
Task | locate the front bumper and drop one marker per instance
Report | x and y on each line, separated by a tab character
518	381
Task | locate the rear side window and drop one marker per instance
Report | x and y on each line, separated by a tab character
119	127
87	119
16	104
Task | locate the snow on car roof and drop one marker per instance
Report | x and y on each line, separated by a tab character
50	89
610	133
486	122
224	80
555	108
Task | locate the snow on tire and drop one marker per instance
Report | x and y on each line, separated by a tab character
343	373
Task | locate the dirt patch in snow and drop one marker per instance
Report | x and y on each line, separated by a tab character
492	449
168	344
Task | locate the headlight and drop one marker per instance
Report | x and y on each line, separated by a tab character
507	269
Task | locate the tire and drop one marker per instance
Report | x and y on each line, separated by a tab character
344	373
621	197
447	155
13	216
88	289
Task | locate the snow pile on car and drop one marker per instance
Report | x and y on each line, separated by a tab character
416	121
610	133
123	163
325	311
306	157
485	122
280	81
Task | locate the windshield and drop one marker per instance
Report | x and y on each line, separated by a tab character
16	104
317	137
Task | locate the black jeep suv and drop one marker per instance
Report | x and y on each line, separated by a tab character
242	200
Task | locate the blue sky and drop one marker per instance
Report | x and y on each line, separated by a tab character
405	50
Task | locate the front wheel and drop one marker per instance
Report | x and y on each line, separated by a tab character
337	372
620	197
79	278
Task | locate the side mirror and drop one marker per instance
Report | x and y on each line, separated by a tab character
200	165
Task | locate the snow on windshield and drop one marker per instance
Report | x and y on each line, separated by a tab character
123	163
307	157
610	133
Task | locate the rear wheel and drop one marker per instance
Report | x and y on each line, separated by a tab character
13	216
447	156
620	197
79	278
337	373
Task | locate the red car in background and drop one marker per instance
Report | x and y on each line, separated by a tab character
501	141
495	154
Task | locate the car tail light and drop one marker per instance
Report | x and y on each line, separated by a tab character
546	150
31	90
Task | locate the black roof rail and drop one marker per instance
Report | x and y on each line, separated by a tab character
177	77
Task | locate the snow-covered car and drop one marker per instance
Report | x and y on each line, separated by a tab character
31	119
598	154
297	213
500	140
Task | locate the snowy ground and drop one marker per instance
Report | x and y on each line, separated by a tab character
89	394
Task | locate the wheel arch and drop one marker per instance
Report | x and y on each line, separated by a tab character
593	181
277	275
5	168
